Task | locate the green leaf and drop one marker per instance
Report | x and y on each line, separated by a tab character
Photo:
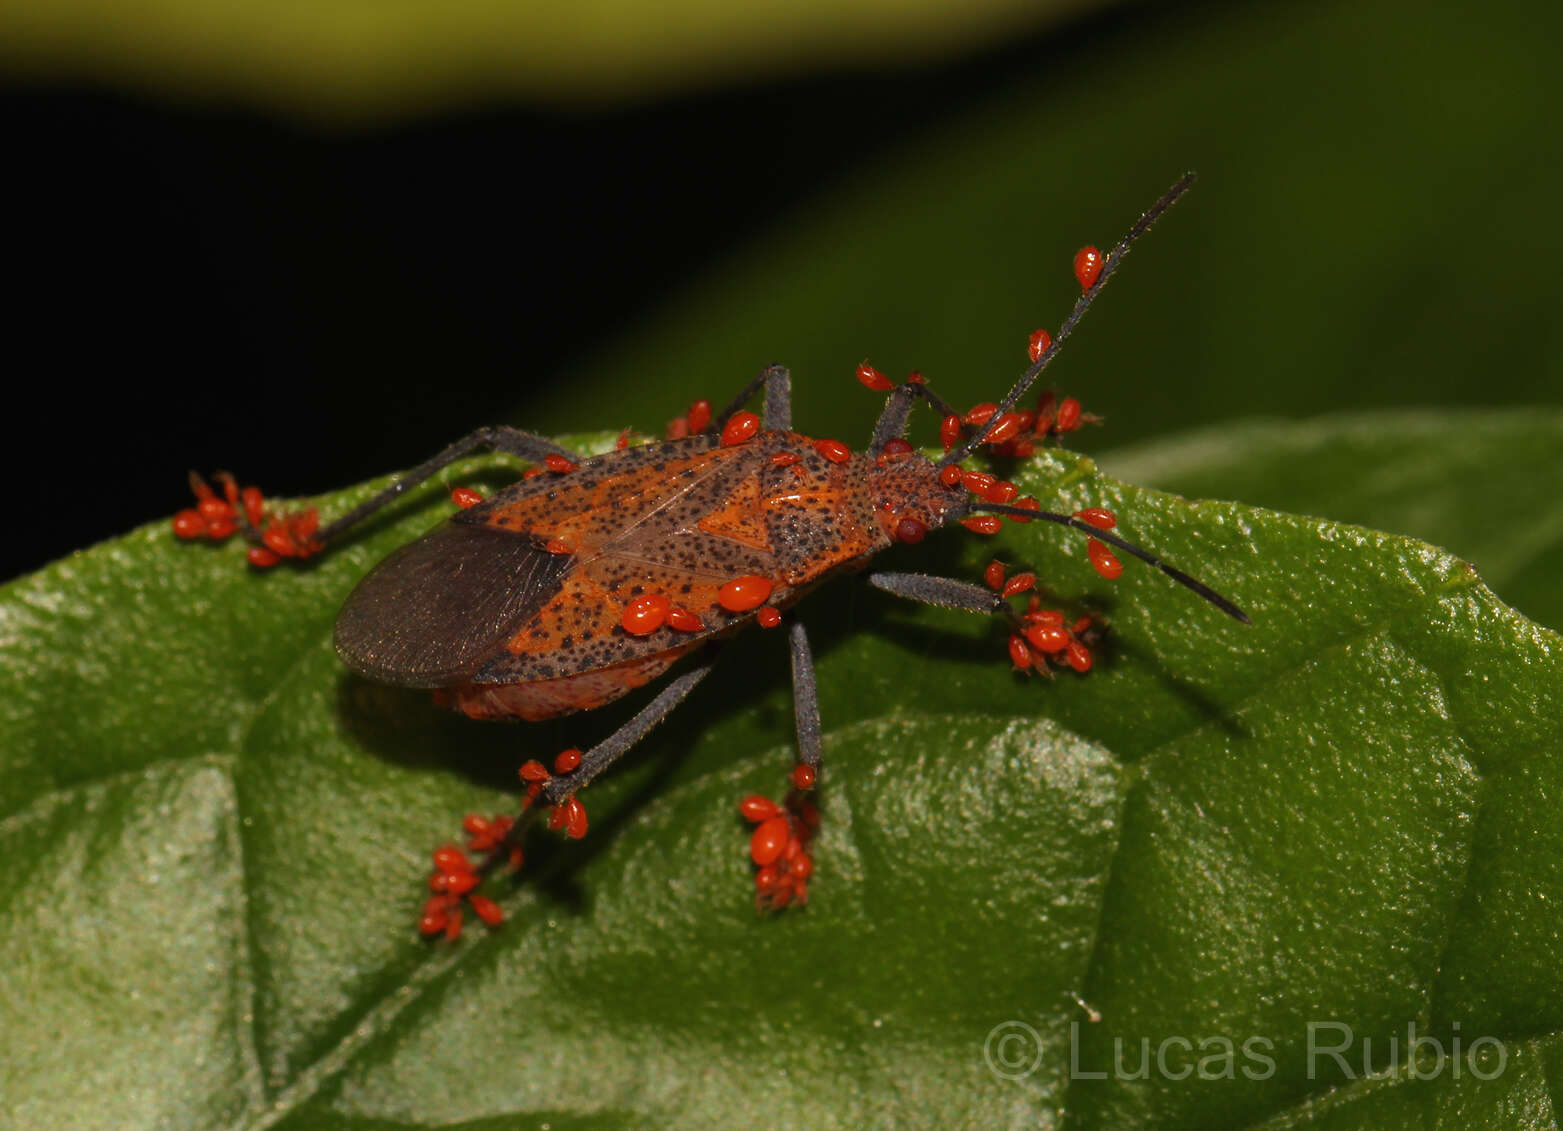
1485	484
1343	814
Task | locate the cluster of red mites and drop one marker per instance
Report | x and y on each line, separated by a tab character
569	814
1017	434
779	845
1041	635
454	880
1014	436
649	612
217	518
871	378
1103	560
989	488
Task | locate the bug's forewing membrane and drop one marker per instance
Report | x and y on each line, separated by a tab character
436	610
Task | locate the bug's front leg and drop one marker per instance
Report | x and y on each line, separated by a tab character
893	418
779	844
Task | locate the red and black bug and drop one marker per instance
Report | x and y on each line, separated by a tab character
593	576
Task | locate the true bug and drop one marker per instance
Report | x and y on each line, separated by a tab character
591	577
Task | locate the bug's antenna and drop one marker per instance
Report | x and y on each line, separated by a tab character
1109	265
1205	591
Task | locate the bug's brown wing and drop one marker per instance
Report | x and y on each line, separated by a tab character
679	520
436	610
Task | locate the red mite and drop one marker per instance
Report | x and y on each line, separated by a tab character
571	588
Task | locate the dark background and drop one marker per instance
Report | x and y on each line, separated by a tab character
212	284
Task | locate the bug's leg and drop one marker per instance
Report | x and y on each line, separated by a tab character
560	788
942	591
892	421
455	879
805	710
1003	427
1042	355
778	400
502	438
779	843
276	535
898	408
1038	637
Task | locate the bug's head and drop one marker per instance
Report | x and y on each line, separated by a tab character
913	495
909	497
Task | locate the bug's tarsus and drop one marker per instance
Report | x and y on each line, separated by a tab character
1183	579
779	844
508	846
1110	264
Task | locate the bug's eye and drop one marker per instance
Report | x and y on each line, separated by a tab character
910	530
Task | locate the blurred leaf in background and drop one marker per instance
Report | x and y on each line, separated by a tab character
348	60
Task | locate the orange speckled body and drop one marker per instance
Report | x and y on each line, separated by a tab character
681	518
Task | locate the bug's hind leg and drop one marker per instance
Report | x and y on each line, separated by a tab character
1038	638
277	535
562	786
779	843
501	438
455	879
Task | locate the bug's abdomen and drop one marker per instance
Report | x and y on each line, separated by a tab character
549	698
